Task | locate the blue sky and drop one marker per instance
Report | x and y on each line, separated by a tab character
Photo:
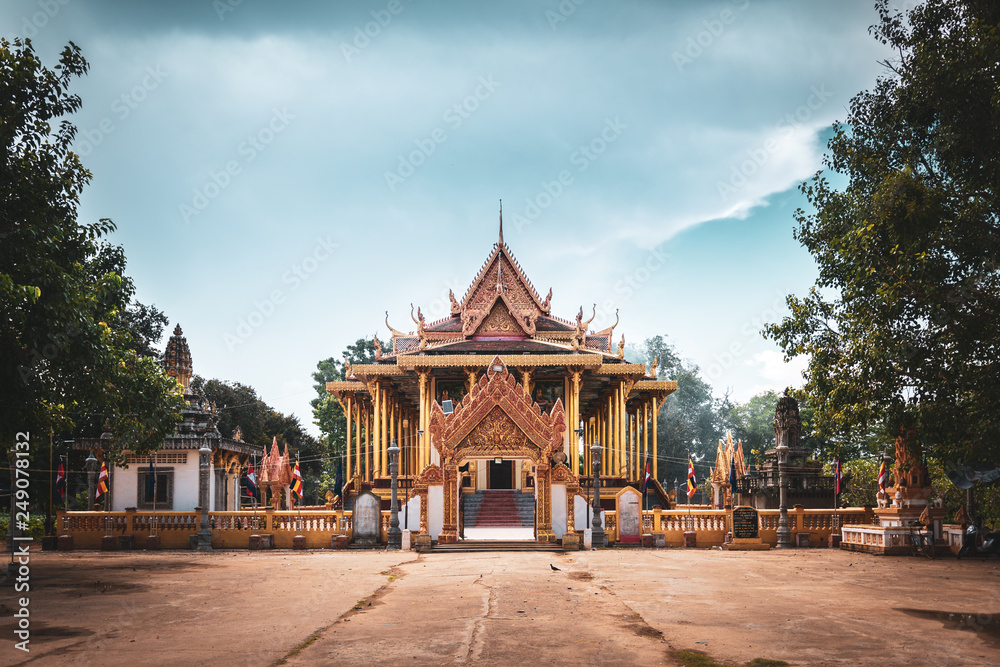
281	175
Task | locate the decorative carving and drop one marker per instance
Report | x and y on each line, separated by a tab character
581	328
421	333
787	424
378	348
621	348
498	435
456	307
499	322
547	304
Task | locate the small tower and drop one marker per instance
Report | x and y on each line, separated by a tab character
177	359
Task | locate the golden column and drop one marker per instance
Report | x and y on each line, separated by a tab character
656	451
422	455
357	443
347	441
368	443
383	445
620	431
377	427
610	447
645	432
574	388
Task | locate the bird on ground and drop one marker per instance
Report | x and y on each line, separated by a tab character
554	567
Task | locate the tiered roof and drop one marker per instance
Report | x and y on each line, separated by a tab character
501	311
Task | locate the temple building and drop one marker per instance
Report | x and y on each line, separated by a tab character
500	394
176	463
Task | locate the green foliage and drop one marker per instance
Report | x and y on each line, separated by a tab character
689	422
328	414
901	324
239	405
75	349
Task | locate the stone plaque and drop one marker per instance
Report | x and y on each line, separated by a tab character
367	517
629	516
746	523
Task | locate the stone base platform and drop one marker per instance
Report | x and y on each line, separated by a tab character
746	544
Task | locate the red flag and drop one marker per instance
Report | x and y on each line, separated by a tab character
838	477
692	483
61	482
102	481
251	481
297	481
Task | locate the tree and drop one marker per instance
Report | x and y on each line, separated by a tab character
239	405
689	422
328	415
900	327
74	346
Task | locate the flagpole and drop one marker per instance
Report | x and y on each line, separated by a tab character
152	467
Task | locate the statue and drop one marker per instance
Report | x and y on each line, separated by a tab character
580	334
421	334
621	348
378	348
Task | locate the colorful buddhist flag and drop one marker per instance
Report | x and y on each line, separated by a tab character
251	481
297	481
883	476
648	478
692	483
102	481
61	482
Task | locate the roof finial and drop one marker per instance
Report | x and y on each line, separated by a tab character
501	222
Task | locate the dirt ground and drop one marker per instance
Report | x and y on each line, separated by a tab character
613	607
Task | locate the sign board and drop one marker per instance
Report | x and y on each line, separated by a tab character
746	523
367	517
629	505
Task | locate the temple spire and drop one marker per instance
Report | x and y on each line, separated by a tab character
501	222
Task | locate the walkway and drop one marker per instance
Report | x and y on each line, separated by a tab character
805	606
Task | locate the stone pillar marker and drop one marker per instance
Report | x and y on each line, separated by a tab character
787	427
598	538
204	532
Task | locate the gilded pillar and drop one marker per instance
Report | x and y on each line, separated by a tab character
656	452
368	443
576	379
543	500
377	427
347	440
645	432
357	443
422	422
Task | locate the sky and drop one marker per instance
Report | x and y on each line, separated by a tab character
281	175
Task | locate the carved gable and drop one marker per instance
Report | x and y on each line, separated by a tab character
498	435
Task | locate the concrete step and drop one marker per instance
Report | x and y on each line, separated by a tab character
476	546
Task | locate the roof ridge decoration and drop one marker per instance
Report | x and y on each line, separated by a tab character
498	388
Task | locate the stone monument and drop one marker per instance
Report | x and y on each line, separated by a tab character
628	502
367	520
746	530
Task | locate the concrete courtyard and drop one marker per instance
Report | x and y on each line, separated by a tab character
614	607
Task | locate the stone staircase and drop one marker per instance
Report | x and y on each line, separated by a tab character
499	509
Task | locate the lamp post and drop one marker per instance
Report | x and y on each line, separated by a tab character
784	533
204	532
91	464
11	525
598	538
395	535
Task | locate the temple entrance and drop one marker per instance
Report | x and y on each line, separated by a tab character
497	422
500	475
